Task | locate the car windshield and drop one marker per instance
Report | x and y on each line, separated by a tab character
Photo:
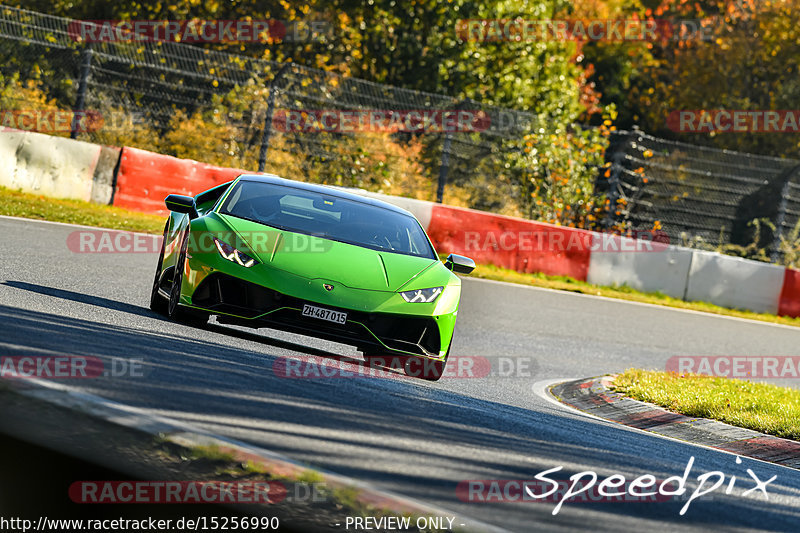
327	216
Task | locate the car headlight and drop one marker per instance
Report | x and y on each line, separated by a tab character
422	295
232	254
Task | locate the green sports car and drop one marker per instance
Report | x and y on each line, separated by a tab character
262	251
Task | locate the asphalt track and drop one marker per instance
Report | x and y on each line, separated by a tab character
412	437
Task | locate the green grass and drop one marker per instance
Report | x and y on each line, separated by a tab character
212	453
757	406
19	204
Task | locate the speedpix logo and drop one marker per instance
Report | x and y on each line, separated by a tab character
587	486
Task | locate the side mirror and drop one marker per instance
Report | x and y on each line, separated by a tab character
181	204
459	263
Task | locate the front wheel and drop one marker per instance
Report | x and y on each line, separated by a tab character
174	310
157	302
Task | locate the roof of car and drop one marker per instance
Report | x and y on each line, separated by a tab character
323	189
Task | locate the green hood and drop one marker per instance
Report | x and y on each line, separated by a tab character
315	258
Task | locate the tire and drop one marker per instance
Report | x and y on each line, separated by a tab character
157	302
174	310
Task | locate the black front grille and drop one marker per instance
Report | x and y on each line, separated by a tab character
226	294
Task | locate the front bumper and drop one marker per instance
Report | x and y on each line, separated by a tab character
239	301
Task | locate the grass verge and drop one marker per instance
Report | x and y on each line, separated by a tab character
19	204
758	406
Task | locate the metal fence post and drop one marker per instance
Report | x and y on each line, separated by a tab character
613	189
267	132
444	166
80	101
614	181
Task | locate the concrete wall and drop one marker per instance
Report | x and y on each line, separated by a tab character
734	282
47	165
662	268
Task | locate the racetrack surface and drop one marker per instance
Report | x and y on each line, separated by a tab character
416	438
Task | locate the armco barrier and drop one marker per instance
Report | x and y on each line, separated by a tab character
644	266
145	178
734	282
43	164
518	244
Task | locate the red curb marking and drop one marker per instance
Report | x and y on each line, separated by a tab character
596	400
761	447
586	385
648	419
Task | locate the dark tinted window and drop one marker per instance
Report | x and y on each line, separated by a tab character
329	217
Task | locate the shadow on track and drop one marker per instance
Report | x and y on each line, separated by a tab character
146	312
410	436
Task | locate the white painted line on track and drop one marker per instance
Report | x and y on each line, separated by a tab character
70	224
629	302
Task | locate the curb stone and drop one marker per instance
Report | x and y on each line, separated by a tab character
594	396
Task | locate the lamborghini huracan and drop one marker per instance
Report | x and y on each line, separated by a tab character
262	251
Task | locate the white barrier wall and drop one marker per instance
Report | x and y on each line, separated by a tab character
734	282
47	165
643	265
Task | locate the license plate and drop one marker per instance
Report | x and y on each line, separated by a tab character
339	317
